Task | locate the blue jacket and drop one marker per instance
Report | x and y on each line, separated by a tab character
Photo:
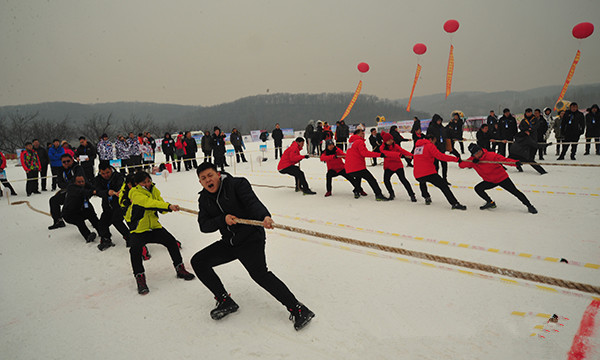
54	154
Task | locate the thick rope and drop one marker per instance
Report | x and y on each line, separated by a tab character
440	259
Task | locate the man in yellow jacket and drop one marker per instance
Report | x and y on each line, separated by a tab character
142	218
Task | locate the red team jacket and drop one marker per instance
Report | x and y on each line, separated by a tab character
291	156
334	163
493	173
393	160
356	154
425	154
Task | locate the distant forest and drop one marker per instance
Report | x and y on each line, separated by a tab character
68	121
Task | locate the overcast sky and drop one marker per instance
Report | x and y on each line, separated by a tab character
198	52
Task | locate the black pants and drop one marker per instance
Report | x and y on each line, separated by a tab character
78	219
366	174
207	155
588	143
8	186
239	153
332	173
43	174
189	161
558	141
387	176
437	162
156	236
251	254
170	157
55	203
56	170
506	184
32	182
502	148
297	174
342	144
565	147
112	217
278	149
438	182
219	161
538	168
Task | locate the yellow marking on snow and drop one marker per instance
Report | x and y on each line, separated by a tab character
428	264
380	232
402	259
594	194
525	255
542	315
493	250
550	192
593	266
372	253
533	334
571	193
463	245
394	234
444	242
551	259
465	272
518	313
538	327
546	288
535	191
509	280
418	238
359	228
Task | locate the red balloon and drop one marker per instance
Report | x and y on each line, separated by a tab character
363	67
451	26
583	30
420	49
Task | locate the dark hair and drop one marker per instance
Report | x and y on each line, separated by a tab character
140	176
538	110
205	166
82	138
55	140
27	143
430	136
528	110
104	165
393	127
506	110
129	179
373	129
66	155
299	140
573	103
34	140
358	131
483	125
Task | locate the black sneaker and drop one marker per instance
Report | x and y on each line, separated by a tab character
381	198
458	206
573	157
531	209
105	243
560	158
308	192
56	225
91	237
392	196
182	273
140	279
301	316
225	306
488	205
413	198
427	201
357	195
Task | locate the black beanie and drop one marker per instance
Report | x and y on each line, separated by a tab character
474	148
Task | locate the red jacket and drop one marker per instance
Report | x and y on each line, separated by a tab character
393	159
424	156
334	162
493	173
179	144
356	154
291	156
2	161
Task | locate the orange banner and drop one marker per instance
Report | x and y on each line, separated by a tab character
450	71
352	101
413	88
569	77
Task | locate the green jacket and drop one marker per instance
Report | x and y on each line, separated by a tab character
142	215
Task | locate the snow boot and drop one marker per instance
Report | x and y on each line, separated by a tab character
140	279
300	315
225	306
91	237
59	224
531	209
488	205
182	273
427	201
458	206
105	243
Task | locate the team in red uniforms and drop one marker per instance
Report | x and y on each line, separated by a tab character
392	164
333	157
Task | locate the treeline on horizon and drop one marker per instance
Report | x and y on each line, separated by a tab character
48	121
68	121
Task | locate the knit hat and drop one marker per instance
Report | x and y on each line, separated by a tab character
474	148
328	142
386	136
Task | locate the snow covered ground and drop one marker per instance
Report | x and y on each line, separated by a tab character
63	299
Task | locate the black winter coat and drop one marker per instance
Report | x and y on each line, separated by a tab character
342	132
190	146
168	146
89	150
236	197
236	139
66	176
277	136
206	144
592	124
218	144
102	186
439	132
507	127
43	155
78	199
483	139
524	146
572	124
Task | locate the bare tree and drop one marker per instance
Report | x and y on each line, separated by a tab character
96	125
